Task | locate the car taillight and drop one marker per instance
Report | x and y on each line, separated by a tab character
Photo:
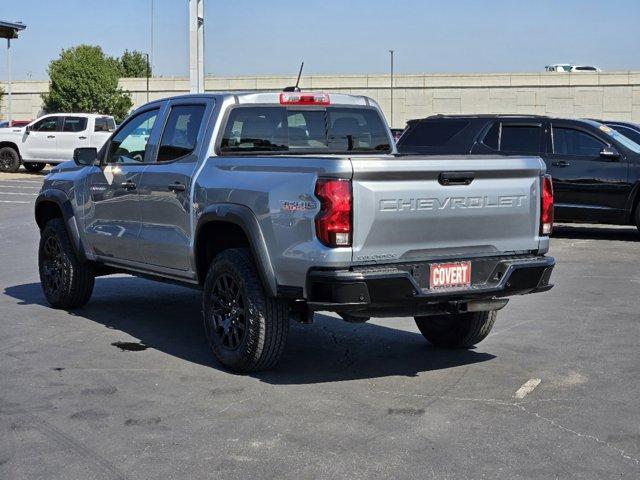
546	212
299	98
333	222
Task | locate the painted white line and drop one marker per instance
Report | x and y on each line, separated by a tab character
19	193
21	181
18	186
12	201
527	388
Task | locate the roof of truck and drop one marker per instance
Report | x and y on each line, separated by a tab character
275	97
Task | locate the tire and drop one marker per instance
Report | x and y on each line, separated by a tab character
9	160
245	328
637	217
463	330
33	166
67	281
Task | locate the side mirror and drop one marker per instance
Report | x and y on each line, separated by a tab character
609	153
85	156
27	129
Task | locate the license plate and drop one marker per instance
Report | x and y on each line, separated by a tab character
450	275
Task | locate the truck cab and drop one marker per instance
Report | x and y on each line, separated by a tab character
52	139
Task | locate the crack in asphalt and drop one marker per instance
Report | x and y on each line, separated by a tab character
523	408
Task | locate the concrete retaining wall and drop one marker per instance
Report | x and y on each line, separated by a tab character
610	95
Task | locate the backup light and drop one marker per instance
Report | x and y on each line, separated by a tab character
299	98
546	211
334	220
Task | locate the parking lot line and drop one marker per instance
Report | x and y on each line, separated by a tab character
13	201
22	181
527	388
18	186
19	193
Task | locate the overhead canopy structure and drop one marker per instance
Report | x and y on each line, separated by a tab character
9	30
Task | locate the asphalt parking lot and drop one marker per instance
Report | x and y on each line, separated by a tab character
367	401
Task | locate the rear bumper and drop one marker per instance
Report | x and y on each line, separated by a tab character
403	289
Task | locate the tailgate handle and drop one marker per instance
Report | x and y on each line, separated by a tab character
456	178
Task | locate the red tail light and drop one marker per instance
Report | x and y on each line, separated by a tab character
546	212
298	98
333	222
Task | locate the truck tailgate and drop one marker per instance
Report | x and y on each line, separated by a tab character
426	207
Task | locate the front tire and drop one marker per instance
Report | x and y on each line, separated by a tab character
67	281
33	167
245	328
461	330
9	160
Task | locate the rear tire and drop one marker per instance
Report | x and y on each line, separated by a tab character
67	281
462	330
245	328
637	216
9	160
33	167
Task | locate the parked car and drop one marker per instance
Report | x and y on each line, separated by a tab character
570	68
397	133
14	123
279	205
51	139
628	129
595	169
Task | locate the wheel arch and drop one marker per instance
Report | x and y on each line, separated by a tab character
241	229
54	203
12	145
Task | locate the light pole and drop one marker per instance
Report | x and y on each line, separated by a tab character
151	47
9	31
391	120
148	74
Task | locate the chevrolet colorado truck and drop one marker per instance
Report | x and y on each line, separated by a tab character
278	205
51	139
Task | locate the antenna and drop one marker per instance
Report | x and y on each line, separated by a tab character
295	88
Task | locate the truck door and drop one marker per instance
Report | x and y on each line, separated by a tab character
165	189
40	143
74	135
587	185
112	213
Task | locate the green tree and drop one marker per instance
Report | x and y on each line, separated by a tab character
134	64
84	79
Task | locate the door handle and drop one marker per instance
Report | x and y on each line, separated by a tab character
177	187
128	185
456	178
561	163
51	136
82	137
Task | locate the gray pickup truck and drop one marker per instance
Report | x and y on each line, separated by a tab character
278	205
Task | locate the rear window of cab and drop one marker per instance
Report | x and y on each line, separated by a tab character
277	130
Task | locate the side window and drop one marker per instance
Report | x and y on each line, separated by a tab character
633	135
74	124
520	138
49	124
130	143
433	133
181	131
567	141
104	124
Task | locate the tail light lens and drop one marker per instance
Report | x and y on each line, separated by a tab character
333	222
546	212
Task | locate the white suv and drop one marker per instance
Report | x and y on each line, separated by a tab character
52	139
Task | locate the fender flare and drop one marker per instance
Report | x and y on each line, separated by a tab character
60	198
244	218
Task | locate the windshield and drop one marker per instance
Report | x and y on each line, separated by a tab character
620	138
279	129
